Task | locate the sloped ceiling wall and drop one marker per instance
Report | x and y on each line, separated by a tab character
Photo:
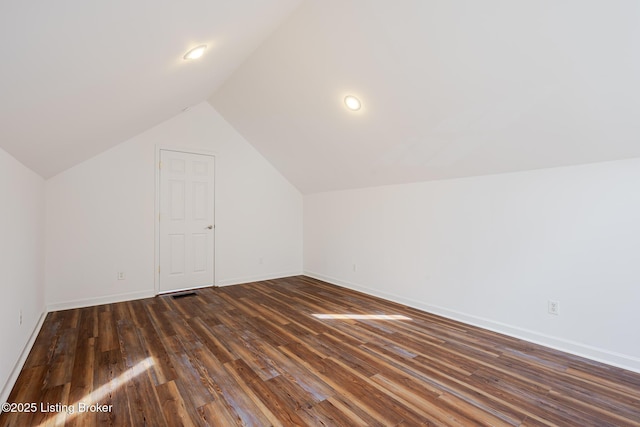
79	77
449	89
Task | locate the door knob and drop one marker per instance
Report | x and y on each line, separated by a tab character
210	227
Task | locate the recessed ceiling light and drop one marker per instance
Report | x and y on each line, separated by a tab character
352	103
196	52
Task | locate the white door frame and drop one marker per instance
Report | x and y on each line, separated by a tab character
156	220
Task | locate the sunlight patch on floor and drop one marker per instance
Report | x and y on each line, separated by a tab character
361	316
68	412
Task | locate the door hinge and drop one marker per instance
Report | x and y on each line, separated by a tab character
158	269
160	165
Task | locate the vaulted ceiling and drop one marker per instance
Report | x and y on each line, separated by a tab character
78	77
449	88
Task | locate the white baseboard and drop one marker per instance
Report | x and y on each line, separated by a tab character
88	302
249	279
13	377
594	353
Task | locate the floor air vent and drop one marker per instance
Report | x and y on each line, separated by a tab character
184	294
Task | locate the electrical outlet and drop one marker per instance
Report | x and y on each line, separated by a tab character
20	318
261	260
355	267
120	275
554	307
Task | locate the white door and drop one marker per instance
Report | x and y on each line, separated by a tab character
186	221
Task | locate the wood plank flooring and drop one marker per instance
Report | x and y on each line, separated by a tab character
256	355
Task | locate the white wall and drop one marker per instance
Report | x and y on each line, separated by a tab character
100	215
21	263
492	251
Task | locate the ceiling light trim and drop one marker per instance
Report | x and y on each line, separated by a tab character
195	53
352	103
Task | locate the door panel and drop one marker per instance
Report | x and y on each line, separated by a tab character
186	221
176	254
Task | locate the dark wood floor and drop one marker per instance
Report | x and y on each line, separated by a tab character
255	354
